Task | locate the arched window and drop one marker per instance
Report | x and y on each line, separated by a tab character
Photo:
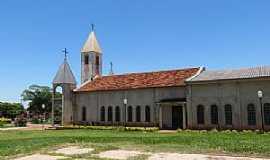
83	113
102	114
267	113
110	114
147	114
251	113
214	114
130	114
138	114
200	114
117	114
228	114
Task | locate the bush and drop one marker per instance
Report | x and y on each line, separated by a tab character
36	121
4	121
117	128
213	130
20	122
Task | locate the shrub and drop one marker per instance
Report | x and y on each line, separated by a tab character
20	122
36	121
213	130
227	131
179	130
5	120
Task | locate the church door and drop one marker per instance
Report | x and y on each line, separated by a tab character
177	117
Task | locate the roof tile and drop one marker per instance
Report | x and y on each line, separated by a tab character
243	73
139	80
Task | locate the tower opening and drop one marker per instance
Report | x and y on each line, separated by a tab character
86	59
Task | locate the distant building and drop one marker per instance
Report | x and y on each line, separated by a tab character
182	98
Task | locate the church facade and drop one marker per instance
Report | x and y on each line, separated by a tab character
193	98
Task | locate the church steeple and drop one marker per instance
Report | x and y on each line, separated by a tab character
91	44
91	58
64	74
64	78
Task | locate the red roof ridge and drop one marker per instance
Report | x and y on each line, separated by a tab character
158	71
154	79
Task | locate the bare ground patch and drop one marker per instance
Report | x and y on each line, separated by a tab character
119	154
41	157
74	150
177	156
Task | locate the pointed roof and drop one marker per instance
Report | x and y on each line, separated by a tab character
91	44
64	75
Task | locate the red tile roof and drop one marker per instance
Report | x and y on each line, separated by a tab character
139	80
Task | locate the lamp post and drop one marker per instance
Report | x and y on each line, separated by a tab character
43	107
125	101
260	96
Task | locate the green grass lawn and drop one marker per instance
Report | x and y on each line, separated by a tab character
25	142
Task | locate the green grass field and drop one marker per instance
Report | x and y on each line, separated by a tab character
233	143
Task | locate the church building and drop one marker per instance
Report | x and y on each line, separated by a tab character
193	98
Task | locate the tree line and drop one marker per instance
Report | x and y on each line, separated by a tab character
10	110
36	96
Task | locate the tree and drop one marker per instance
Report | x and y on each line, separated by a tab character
10	110
37	96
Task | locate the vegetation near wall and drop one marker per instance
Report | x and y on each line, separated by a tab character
10	110
37	96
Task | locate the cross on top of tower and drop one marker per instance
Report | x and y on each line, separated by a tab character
65	52
92	27
111	69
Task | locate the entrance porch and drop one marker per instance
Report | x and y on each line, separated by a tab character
172	113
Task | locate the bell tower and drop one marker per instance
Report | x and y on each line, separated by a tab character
66	80
91	58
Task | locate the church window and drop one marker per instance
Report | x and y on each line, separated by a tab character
200	114
228	114
267	113
117	114
251	110
214	114
130	114
102	114
83	113
97	64
138	114
86	59
110	114
97	60
147	114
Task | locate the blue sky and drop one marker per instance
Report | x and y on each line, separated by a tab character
138	35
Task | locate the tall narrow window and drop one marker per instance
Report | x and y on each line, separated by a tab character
102	114
97	60
228	114
130	114
147	114
214	114
117	114
97	64
251	111
86	59
200	114
267	113
138	114
110	114
84	114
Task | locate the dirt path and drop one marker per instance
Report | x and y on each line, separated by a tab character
70	151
